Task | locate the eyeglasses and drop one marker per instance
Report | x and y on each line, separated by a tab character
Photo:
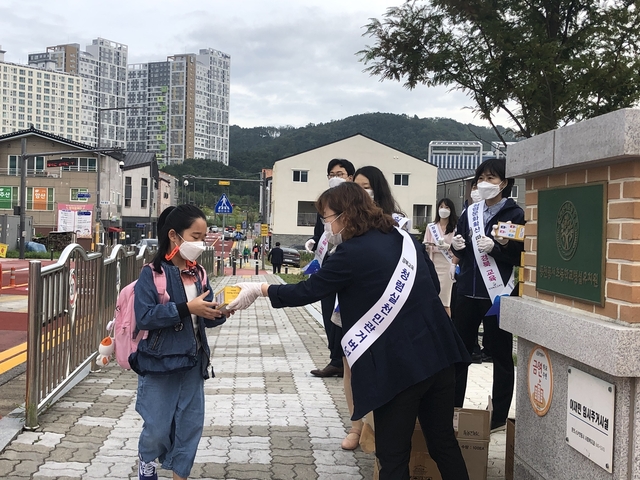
324	219
337	174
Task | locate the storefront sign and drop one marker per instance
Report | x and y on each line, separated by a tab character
570	254
540	380
590	417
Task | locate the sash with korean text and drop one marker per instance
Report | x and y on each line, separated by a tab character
321	251
435	233
373	324
486	263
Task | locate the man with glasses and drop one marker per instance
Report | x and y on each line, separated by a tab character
339	170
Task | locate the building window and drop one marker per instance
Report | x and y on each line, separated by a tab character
8	198
307	214
300	175
127	191
84	165
40	198
514	192
144	193
401	179
421	215
34	165
74	195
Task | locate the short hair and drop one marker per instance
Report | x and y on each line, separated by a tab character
497	167
341	162
359	213
277	244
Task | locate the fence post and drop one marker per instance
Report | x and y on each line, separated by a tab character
234	266
34	344
256	267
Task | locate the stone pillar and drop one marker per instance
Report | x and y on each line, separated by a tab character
599	339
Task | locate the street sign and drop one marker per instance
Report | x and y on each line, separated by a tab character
83	195
104	202
244	224
224	205
264	230
224	182
141	225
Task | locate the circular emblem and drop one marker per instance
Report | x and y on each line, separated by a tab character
567	230
540	380
73	292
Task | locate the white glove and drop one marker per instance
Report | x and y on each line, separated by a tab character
496	237
443	246
452	272
249	292
309	245
458	243
485	244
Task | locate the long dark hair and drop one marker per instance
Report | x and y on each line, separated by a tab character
453	218
381	190
179	219
359	213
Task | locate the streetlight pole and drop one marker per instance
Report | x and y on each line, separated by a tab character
99	168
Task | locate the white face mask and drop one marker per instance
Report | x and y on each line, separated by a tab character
475	196
333	238
370	192
488	190
335	181
444	212
191	250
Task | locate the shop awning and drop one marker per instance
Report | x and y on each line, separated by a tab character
114	229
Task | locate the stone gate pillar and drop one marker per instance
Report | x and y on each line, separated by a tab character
578	320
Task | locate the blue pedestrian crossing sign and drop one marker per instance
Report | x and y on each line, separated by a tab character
224	205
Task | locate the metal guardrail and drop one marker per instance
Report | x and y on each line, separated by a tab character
69	304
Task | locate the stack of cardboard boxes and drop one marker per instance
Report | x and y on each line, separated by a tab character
473	428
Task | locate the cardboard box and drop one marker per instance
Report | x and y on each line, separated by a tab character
510	450
226	295
512	231
472	424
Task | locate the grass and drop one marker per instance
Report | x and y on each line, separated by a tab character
293	277
32	255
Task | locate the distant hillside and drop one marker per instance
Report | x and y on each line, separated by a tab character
254	148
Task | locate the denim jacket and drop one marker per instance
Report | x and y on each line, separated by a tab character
171	345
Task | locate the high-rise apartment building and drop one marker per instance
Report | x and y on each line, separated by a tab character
103	69
183	107
47	99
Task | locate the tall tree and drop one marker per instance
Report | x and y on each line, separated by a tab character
545	63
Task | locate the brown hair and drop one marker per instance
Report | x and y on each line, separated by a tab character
359	213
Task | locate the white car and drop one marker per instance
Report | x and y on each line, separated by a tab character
214	229
151	243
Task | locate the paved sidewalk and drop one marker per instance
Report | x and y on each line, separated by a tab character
266	416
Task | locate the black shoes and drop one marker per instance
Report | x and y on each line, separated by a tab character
328	371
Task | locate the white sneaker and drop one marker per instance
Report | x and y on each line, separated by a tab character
147	470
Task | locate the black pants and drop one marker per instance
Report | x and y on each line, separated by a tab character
276	268
431	401
469	313
334	332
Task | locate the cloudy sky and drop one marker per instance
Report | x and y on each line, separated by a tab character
293	62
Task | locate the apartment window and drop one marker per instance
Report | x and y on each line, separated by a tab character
40	198
8	198
127	191
84	165
144	192
401	179
300	175
74	195
34	165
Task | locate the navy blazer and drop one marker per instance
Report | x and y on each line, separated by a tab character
420	341
469	280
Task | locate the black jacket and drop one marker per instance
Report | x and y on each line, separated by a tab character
276	256
420	342
469	281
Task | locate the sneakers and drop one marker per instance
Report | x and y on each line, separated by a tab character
147	470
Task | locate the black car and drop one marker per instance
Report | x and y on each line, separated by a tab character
291	256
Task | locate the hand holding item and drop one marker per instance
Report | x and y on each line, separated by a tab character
443	245
249	292
200	307
498	238
458	242
485	244
452	272
308	246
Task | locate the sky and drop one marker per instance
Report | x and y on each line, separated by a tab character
292	62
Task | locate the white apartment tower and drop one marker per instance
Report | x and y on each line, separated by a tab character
183	107
44	98
103	69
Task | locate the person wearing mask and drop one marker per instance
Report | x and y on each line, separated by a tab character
245	253
437	238
399	342
339	170
482	254
276	257
172	362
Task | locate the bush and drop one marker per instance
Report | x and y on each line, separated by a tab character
293	277
33	255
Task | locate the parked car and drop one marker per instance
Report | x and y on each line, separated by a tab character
228	235
291	256
150	243
214	228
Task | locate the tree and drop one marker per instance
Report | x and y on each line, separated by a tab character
545	63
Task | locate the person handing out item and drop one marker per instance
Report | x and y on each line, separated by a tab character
406	369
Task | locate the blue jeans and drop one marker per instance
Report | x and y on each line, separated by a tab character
172	407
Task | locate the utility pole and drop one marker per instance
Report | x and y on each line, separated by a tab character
23	194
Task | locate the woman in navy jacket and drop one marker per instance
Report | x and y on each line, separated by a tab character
408	371
473	300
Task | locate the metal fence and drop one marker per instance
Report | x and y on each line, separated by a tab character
70	303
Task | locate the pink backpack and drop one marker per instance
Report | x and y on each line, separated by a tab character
124	319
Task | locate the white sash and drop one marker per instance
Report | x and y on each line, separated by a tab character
372	324
322	248
435	233
402	221
486	263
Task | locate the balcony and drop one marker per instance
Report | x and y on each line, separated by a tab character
15	172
